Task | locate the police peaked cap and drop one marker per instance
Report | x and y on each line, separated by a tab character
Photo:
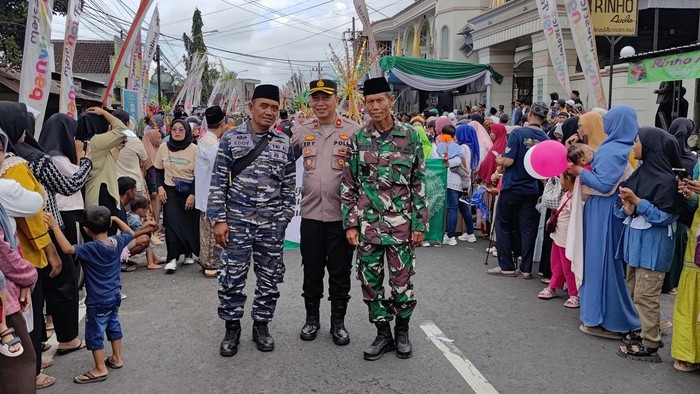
323	86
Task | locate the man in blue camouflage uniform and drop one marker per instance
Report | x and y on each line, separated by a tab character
251	211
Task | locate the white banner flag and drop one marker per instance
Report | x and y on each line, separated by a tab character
67	102
35	82
149	52
361	8
584	40
555	40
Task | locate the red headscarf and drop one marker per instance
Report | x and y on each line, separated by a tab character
488	166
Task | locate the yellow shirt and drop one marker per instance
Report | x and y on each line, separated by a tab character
178	164
31	231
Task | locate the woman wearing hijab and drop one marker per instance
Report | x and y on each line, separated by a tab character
681	128
591	127
34	241
649	204
103	132
58	141
152	140
61	291
485	143
606	306
174	165
425	142
488	166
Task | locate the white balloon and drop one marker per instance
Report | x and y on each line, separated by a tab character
528	164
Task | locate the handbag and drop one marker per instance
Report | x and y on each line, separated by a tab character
184	186
551	225
553	193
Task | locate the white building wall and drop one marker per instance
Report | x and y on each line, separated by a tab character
454	14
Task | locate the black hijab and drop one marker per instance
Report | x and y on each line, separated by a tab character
14	121
654	179
478	118
569	127
90	125
58	136
681	128
175	146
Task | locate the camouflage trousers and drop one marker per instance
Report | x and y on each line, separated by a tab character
264	242
209	250
370	271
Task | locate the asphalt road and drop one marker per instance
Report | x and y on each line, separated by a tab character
519	343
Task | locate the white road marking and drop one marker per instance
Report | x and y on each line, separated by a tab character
471	375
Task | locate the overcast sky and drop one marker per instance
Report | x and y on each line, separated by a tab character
294	29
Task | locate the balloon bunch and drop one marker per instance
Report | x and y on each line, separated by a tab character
546	160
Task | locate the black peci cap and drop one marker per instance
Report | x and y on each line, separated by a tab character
376	85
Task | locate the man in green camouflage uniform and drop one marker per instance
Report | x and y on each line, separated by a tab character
385	213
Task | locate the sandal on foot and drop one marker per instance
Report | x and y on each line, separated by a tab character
111	364
45	347
499	272
547	294
635	337
573	302
524	275
600	332
209	273
43	381
15	341
685	366
639	352
46	362
63	352
154	267
90	378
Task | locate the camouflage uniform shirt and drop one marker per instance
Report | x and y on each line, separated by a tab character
262	192
383	187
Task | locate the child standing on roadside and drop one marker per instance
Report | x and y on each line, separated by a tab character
558	225
102	265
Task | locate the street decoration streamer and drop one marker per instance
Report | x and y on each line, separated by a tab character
361	8
149	52
555	40
37	64
67	100
350	71
581	27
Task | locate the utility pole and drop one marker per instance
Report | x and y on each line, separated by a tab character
318	69
160	98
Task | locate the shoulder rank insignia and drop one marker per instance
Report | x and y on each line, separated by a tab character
338	122
316	124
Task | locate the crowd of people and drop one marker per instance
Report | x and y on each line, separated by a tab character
614	230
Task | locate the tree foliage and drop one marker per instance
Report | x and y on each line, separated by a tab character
13	19
195	44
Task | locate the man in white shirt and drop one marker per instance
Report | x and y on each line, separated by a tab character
207	147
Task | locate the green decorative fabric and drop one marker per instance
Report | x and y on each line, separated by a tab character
435	69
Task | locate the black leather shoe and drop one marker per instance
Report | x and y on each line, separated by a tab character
404	349
229	345
262	338
340	335
382	343
313	324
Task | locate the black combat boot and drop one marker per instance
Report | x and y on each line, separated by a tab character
262	337
338	332
382	343
229	345
313	324
403	344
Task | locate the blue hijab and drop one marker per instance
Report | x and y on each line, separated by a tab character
612	158
466	135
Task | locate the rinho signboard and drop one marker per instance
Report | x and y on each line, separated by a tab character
665	68
614	17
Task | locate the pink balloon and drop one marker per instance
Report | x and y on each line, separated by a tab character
548	159
527	162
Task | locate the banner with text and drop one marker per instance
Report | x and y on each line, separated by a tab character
555	40
35	81
149	52
67	101
665	68
361	8
131	103
584	40
614	18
